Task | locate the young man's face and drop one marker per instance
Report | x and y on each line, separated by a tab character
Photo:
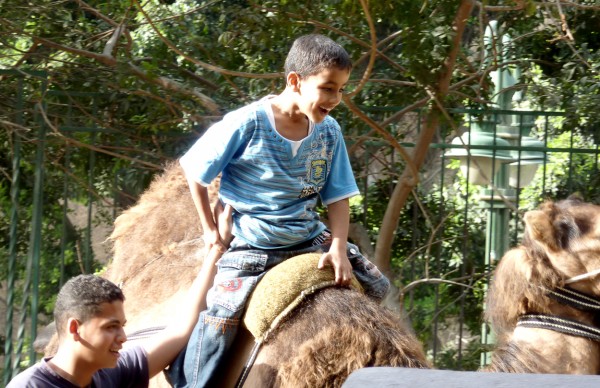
322	92
102	336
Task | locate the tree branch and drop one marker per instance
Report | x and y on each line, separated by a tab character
414	284
336	31
386	135
88	8
521	6
106	60
114	39
195	61
79	144
175	86
373	51
163	82
409	178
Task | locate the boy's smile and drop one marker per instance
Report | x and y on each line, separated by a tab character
320	93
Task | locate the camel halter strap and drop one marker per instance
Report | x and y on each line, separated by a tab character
571	298
582	276
574	299
561	325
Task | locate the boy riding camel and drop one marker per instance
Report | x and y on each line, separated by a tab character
277	156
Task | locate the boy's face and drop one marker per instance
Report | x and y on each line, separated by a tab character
322	92
102	336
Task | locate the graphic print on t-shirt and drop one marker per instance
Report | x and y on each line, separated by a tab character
317	167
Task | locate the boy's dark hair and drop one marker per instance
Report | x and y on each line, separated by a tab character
81	298
311	54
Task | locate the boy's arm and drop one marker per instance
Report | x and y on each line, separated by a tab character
165	346
339	222
201	202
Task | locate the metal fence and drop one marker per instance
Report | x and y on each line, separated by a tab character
459	223
451	232
70	175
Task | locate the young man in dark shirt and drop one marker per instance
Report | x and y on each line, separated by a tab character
90	318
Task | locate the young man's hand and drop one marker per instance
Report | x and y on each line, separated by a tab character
212	239
341	266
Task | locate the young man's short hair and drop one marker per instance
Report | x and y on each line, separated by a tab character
311	54
82	298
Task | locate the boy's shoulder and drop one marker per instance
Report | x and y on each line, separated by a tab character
331	121
329	124
246	112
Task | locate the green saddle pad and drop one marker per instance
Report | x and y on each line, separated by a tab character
283	288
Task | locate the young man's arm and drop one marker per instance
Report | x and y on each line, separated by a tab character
163	349
339	222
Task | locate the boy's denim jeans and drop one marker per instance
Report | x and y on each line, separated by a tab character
239	270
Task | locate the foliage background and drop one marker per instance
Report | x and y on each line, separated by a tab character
156	73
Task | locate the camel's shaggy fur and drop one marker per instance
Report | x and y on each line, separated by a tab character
158	248
360	334
158	251
561	240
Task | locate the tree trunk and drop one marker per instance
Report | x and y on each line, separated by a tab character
407	180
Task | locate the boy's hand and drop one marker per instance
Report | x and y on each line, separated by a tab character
221	236
212	240
341	266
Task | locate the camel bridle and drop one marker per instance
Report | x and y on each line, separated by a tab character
584	276
561	325
572	298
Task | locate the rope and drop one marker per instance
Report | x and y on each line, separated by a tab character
561	325
144	333
582	276
248	365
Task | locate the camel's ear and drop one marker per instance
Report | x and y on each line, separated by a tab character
576	196
540	228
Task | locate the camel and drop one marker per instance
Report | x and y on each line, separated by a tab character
158	250
545	294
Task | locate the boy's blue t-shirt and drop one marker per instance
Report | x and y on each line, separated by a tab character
273	192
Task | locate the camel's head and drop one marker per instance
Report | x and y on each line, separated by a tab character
567	235
561	242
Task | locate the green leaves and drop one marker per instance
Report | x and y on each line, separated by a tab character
145	108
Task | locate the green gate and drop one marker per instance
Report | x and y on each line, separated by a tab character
458	223
52	215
